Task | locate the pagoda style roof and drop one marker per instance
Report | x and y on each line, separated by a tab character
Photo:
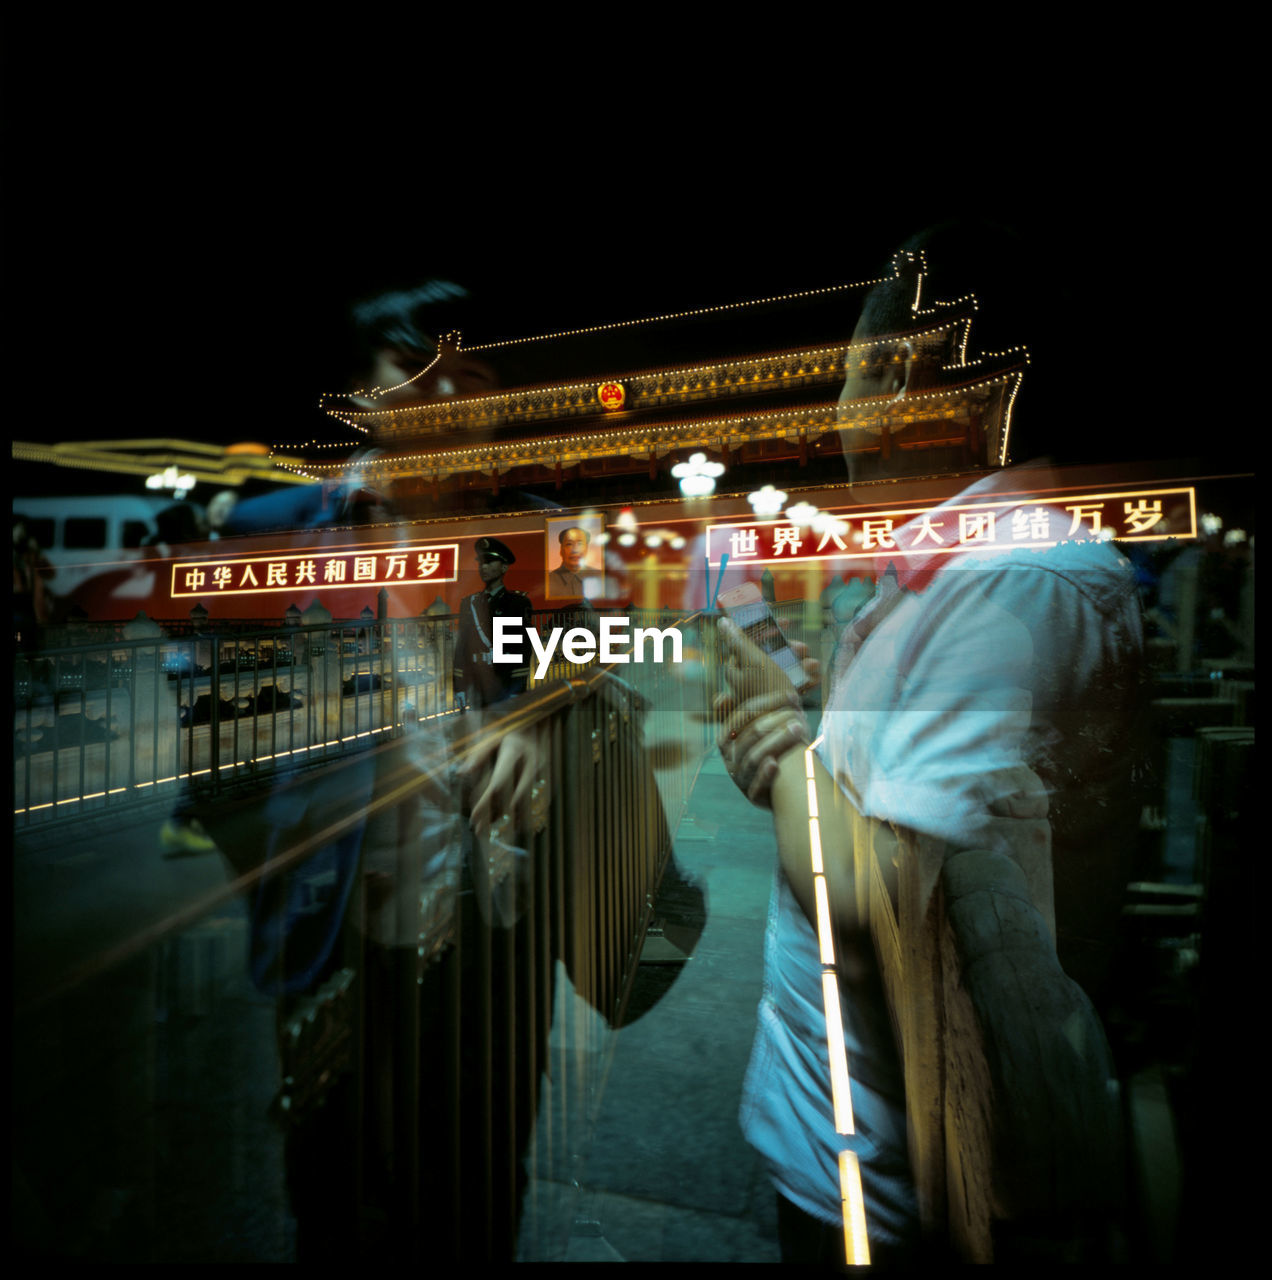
728	378
748	406
984	401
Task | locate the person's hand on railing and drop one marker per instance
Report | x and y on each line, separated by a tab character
760	715
499	777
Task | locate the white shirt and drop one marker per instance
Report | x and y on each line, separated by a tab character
969	678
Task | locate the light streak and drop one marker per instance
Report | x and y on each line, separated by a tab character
856	1242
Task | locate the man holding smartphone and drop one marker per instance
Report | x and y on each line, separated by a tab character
987	700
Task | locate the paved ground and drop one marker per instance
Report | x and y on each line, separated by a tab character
141	1116
142	1096
665	1174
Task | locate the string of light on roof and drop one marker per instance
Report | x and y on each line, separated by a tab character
719	308
839	353
715	427
374	392
990	355
680	315
348	416
560	389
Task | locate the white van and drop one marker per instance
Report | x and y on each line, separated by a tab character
81	536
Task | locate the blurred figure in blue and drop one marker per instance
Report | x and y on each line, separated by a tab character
373	941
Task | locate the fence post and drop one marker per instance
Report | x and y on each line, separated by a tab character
440	642
291	638
318	641
198	628
145	690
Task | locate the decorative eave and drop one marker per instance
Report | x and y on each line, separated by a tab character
647	389
644	415
985	401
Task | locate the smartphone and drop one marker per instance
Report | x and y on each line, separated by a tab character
748	608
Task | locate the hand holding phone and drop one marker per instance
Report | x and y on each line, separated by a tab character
761	714
747	608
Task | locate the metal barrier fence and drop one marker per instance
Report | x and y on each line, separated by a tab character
416	999
167	1093
113	724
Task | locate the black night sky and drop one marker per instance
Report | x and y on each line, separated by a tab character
198	290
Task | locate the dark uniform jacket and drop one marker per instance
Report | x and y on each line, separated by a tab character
477	676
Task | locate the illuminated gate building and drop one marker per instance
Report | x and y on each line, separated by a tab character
682	421
753	386
652	432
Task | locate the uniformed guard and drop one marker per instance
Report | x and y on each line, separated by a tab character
479	680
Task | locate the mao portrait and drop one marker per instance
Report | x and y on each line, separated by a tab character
574	556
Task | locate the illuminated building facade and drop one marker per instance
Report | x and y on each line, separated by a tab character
746	399
670	435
